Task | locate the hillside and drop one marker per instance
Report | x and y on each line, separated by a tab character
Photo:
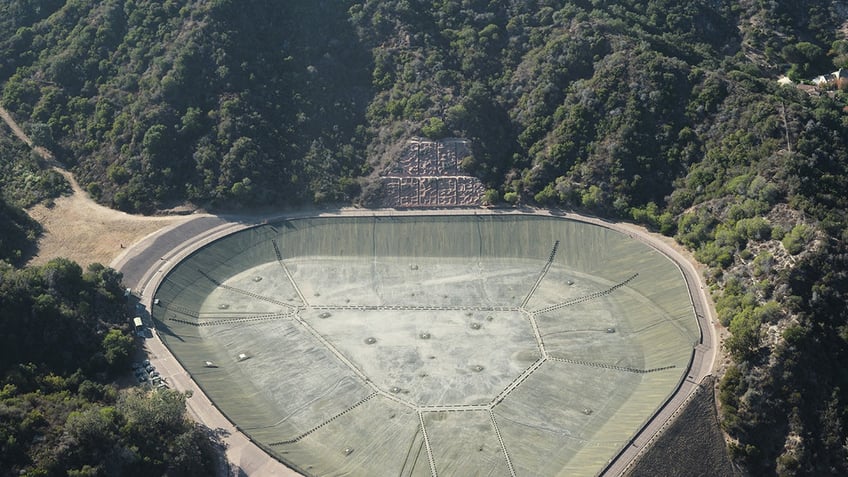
66	404
23	183
665	113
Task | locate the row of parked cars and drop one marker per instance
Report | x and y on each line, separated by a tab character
146	372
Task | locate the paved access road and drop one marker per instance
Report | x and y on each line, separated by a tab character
145	264
146	255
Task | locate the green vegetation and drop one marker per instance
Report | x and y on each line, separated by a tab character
23	183
17	233
24	180
63	339
154	102
667	113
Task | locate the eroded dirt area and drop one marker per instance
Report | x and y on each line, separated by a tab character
80	229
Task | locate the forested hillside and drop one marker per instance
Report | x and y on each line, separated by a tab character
65	345
664	112
23	183
154	102
63	341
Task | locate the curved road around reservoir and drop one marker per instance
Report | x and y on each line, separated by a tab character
147	262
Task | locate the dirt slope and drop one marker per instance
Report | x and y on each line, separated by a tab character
693	445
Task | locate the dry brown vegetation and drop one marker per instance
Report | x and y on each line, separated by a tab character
77	228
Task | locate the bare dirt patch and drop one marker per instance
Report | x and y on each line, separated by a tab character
80	229
429	174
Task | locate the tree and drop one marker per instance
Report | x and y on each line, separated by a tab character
117	348
796	239
803	57
435	129
491	197
593	197
745	336
41	135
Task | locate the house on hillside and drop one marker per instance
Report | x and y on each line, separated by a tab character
838	80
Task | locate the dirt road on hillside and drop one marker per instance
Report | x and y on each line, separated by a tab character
80	229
